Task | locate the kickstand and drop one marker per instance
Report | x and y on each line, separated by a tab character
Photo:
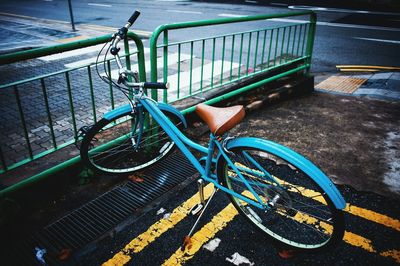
187	241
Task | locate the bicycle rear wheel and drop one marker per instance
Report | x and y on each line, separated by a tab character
298	213
110	146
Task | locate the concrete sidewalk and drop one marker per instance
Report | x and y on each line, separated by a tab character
384	85
23	32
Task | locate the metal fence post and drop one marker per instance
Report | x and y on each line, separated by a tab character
71	15
310	39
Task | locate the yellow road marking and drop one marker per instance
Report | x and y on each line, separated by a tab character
358	70
373	216
76	38
349	237
355	210
206	233
368	67
222	219
392	254
352	209
157	229
33	18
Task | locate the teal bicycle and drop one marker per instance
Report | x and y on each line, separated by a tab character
280	192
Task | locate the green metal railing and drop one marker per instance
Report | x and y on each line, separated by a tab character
225	59
47	97
192	66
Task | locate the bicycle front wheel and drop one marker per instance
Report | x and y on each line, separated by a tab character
114	146
297	211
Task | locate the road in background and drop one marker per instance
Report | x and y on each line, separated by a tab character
343	36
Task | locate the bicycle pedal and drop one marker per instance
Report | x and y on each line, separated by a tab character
196	209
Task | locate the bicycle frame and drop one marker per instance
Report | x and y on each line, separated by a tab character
183	143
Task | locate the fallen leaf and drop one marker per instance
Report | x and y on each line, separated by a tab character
286	253
136	179
65	254
187	243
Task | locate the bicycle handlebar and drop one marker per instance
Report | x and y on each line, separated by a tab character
156	85
134	16
148	85
121	34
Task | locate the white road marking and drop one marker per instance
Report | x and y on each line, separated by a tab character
320	23
340	10
92	60
172	60
184	82
339	25
377	40
278	4
71	53
231	15
101	5
184	11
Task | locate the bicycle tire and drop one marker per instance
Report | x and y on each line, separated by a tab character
107	146
303	217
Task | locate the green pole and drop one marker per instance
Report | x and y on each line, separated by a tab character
310	39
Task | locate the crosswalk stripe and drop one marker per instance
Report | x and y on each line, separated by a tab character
92	60
157	229
71	53
209	70
172	60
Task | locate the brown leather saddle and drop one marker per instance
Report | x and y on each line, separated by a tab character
218	119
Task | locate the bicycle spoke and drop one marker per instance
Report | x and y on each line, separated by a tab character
296	211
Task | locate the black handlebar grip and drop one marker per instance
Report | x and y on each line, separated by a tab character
134	16
156	85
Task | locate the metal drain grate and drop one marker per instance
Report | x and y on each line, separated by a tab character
102	214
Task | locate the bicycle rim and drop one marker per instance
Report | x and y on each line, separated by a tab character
114	146
297	212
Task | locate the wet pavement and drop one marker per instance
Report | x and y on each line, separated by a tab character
350	131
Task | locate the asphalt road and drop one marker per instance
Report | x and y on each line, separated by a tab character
343	36
367	242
